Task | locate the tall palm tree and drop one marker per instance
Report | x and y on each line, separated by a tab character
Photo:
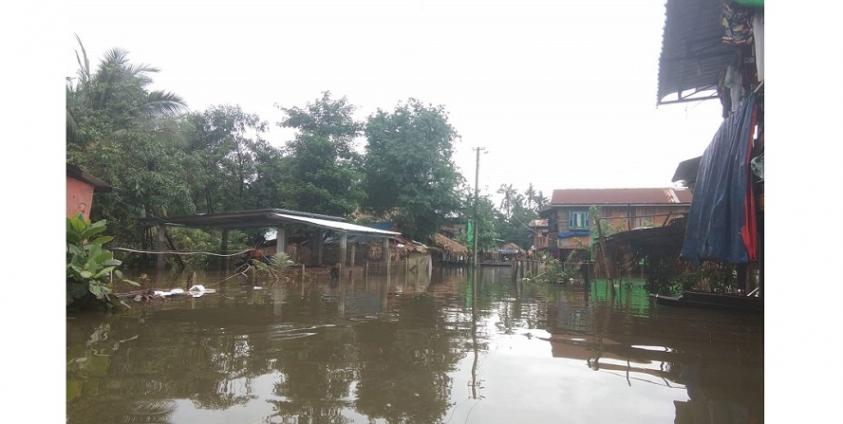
118	89
508	196
541	201
530	193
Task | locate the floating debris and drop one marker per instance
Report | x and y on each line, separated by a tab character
199	290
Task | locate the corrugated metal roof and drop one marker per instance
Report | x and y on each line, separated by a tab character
620	196
76	172
538	223
693	55
336	225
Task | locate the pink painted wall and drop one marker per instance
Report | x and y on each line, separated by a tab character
80	195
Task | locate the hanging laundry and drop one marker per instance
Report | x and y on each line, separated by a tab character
737	24
734	82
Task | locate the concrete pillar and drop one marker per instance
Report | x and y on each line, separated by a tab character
224	250
343	253
281	240
278	297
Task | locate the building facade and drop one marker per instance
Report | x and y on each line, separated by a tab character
571	222
80	191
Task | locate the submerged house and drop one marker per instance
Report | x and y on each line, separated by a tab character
569	213
447	251
714	50
454	228
541	236
80	191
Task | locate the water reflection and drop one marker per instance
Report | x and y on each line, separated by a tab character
451	347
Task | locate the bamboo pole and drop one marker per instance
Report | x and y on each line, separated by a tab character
605	258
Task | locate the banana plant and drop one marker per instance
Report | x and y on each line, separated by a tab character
91	268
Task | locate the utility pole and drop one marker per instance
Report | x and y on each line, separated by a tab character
476	197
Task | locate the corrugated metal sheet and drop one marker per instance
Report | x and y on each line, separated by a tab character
336	225
537	223
692	54
99	185
620	196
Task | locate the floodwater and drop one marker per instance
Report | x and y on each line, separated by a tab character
419	349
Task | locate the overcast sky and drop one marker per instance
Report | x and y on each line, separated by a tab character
561	93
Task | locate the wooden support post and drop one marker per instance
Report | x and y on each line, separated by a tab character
319	242
353	254
386	255
281	240
160	260
224	250
606	266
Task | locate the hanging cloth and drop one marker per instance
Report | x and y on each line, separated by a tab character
717	226
749	232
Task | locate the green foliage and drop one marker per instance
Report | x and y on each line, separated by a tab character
324	174
162	161
408	169
671	276
280	261
554	272
126	134
273	266
224	143
513	224
90	267
486	212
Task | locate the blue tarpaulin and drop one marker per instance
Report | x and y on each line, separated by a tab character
574	233
718	210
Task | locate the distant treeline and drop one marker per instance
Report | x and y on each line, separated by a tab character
165	160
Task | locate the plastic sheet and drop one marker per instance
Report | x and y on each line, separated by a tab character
717	218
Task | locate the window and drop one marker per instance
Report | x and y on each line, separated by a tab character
578	220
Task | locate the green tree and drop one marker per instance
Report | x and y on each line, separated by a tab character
125	133
541	201
508	198
222	142
112	98
409	173
514	227
272	171
530	195
486	218
324	173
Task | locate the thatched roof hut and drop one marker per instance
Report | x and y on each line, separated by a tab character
510	249
449	245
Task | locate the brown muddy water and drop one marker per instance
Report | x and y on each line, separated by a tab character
415	350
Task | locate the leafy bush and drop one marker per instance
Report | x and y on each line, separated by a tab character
554	272
273	265
671	276
90	267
